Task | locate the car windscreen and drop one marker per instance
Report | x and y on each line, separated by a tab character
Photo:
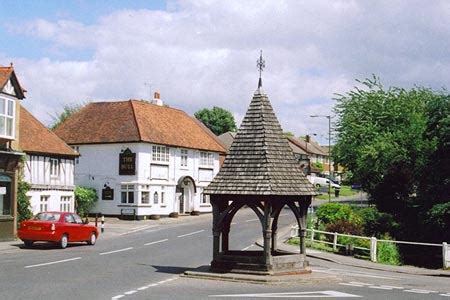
47	216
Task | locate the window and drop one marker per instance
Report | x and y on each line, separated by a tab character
54	167
163	195
160	153
64	204
43	204
77	159
77	219
127	193
155	198
206	158
204	198
69	219
184	158
145	194
7	108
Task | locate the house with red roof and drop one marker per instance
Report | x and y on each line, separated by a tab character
145	159
29	151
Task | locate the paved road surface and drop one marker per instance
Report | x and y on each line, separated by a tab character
146	265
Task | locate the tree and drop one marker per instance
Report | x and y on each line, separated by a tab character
68	110
23	202
85	199
218	120
394	141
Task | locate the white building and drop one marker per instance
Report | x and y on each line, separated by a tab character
48	167
143	159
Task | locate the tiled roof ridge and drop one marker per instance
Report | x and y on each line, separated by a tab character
136	120
208	132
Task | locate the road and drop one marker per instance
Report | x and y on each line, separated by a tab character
146	265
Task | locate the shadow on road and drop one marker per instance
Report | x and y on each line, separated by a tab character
172	269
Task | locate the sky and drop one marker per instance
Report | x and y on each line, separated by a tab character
200	54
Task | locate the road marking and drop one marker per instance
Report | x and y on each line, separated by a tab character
318	294
246	248
137	229
350	284
353	273
380	287
418	291
117	297
361	283
251	220
156	242
53	262
130	292
115	251
393	287
187	234
143	288
445	295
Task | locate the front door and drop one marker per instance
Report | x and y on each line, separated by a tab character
181	202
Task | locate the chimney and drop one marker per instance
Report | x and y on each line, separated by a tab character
157	99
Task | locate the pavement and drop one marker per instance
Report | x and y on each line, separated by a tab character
115	227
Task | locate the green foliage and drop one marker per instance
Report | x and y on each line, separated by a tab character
85	199
317	166
218	120
395	142
376	223
68	110
388	253
23	202
330	213
345	226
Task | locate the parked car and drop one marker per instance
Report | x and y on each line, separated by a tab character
59	227
322	182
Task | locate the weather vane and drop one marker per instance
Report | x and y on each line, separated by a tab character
261	64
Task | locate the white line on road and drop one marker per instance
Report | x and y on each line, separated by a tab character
361	283
445	295
117	297
195	232
393	287
156	242
130	292
143	288
251	220
246	248
418	291
318	294
380	287
354	273
52	263
350	284
115	251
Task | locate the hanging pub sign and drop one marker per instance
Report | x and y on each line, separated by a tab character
127	163
107	193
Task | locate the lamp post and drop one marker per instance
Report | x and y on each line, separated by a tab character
329	150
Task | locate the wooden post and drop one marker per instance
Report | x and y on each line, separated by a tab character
373	249
274	238
225	238
267	233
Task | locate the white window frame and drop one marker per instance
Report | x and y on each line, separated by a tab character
65	203
43	203
204	199
7	113
160	153
184	154
54	167
145	190
127	189
206	159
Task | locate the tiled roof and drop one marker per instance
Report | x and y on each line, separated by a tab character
260	161
7	73
311	148
136	121
34	137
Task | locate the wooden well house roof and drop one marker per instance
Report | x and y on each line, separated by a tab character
260	161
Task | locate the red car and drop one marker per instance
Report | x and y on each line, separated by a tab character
59	227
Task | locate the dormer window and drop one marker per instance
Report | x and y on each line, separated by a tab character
7	112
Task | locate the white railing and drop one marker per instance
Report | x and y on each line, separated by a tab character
373	243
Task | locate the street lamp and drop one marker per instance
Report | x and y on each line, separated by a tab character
329	151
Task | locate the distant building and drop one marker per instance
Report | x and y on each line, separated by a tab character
48	168
144	159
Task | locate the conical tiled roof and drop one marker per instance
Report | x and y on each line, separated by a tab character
260	161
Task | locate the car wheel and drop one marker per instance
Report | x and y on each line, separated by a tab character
92	239
64	241
28	244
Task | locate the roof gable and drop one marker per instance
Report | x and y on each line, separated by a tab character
9	83
136	121
260	161
34	137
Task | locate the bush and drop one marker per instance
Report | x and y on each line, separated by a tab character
345	226
376	223
85	199
330	213
23	202
388	253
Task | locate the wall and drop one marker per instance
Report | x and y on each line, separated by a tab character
98	167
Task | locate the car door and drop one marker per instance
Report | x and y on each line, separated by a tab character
71	228
83	229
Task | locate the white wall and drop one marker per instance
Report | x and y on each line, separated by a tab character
54	200
99	166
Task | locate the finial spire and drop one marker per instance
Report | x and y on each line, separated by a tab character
261	64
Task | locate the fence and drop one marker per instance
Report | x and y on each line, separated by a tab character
372	251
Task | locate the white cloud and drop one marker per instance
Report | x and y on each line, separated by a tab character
203	53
